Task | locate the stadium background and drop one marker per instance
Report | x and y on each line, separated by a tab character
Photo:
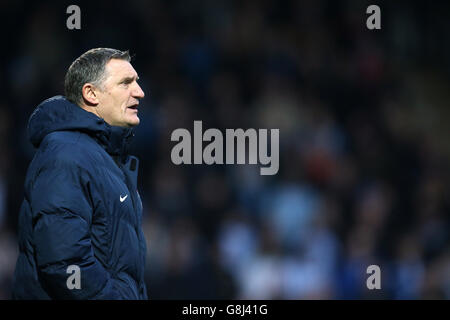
364	140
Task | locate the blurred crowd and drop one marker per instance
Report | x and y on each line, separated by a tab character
364	142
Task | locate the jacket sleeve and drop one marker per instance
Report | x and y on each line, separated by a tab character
62	215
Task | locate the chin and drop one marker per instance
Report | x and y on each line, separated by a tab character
133	123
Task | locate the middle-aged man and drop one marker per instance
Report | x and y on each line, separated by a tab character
80	234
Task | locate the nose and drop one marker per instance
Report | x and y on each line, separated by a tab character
138	93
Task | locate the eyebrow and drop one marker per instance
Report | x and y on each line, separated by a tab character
129	79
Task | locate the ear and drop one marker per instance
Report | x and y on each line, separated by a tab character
90	94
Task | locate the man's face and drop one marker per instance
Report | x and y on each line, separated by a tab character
119	94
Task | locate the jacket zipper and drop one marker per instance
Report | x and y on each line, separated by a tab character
129	185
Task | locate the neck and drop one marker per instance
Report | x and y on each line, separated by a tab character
91	109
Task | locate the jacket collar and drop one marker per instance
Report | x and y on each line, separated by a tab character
59	114
115	140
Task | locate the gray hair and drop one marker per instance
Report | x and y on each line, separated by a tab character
89	67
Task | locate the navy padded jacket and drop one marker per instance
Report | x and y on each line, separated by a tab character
81	207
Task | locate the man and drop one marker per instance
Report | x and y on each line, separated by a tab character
80	234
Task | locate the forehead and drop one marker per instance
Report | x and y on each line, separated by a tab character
117	68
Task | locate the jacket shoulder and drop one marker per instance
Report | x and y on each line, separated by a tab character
70	148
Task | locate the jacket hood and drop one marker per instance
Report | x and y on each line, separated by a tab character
59	114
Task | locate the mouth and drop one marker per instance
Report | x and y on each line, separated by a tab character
134	106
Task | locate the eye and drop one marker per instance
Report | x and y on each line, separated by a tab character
126	82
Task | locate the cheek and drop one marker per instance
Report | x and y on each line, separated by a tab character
124	108
118	104
124	103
